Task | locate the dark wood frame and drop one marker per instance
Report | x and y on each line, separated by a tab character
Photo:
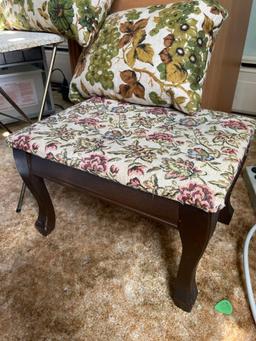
195	226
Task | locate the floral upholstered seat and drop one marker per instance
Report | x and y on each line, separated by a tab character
192	160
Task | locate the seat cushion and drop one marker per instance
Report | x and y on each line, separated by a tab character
192	160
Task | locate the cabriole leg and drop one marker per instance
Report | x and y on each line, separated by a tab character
226	213
196	228
45	222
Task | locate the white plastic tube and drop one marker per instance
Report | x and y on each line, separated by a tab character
247	272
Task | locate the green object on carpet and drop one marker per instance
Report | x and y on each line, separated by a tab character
224	307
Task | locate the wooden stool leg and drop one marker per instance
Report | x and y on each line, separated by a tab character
45	222
226	213
196	228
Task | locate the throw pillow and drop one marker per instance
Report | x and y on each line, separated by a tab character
156	55
78	19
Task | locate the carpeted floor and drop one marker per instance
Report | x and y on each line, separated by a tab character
103	273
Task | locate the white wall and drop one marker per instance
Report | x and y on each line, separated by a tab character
245	96
250	44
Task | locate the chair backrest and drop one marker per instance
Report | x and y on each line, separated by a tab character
220	84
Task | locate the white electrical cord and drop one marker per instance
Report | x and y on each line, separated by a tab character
247	272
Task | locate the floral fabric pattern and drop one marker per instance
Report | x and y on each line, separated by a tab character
155	55
192	160
79	19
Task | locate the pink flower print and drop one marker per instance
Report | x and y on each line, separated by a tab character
160	137
197	195
97	99
136	170
135	182
35	147
234	124
229	151
114	169
157	111
50	156
50	147
22	142
88	122
95	163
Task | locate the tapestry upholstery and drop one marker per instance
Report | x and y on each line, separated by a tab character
191	160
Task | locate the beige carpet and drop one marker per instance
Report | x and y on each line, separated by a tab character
103	273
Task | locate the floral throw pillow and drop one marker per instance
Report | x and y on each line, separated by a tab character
154	55
78	19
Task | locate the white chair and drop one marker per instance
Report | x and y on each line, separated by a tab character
21	40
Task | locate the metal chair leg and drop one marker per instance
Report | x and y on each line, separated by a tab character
14	105
47	82
4	126
21	198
